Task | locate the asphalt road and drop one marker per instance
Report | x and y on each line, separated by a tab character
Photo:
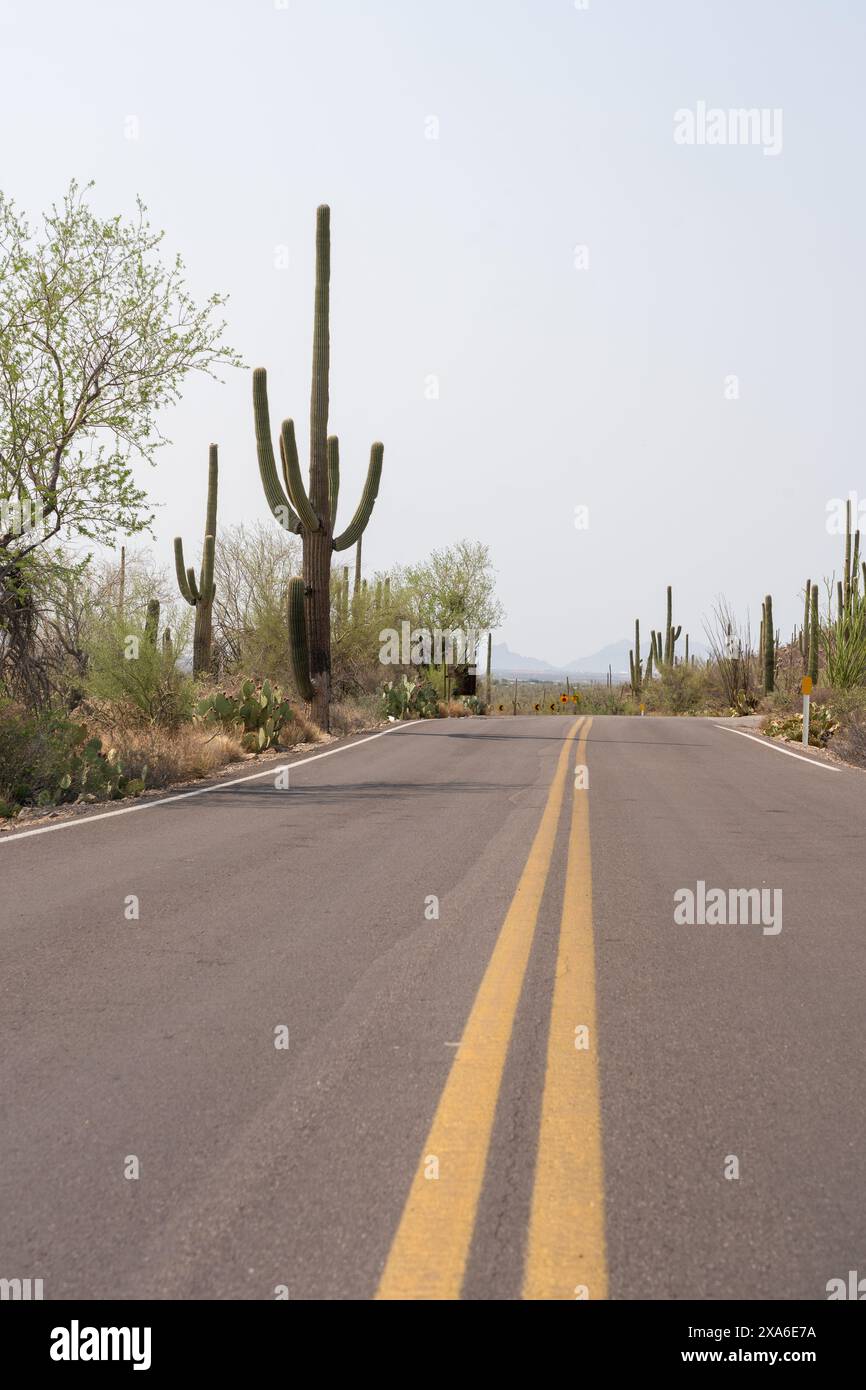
543	1092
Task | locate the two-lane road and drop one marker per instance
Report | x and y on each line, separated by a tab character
509	1071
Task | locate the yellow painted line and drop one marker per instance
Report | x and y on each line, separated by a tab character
565	1256
428	1255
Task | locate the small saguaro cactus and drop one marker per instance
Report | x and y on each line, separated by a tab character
342	602
635	665
663	644
151	621
671	633
200	593
489	655
804	637
851	584
814	631
311	513
769	638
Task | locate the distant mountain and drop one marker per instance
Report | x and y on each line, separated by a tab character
615	655
503	659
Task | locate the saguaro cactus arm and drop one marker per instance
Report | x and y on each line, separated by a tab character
276	498
814	632
183	574
847	588
298	640
807	613
333	475
208	587
368	498
199	592
292	474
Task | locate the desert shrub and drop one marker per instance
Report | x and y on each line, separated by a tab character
160	757
47	758
850	740
135	674
681	689
823	725
454	709
356	715
849	713
843	639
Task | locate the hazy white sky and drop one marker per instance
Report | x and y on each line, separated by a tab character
455	257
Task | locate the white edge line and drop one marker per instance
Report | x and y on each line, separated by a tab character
765	743
199	791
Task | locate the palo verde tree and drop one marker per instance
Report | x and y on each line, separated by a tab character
311	513
97	334
454	590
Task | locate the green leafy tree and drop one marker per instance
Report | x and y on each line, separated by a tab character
455	588
97	334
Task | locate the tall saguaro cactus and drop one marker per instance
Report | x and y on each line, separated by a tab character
663	644
769	640
200	593
814	631
151	621
671	632
635	665
805	636
311	513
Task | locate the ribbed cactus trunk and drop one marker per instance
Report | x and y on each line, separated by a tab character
318	544
487	680
814	631
769	647
634	662
805	635
671	633
203	635
846	600
200	593
151	621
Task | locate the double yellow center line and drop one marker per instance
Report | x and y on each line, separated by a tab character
565	1257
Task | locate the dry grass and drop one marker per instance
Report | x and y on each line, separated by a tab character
453	710
301	730
356	715
161	757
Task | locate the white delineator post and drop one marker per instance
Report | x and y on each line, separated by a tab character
806	687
